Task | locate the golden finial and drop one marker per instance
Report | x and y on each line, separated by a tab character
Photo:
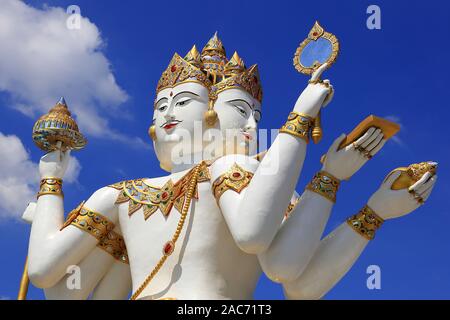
193	57
214	44
317	132
58	130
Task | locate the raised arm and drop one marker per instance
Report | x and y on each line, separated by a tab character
285	259
265	198
54	245
340	249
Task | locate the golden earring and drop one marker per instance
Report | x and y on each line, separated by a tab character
152	132
211	114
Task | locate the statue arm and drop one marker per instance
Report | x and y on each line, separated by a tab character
115	285
285	260
265	199
53	248
339	250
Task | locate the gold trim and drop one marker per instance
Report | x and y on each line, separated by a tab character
324	184
315	33
191	190
114	244
366	222
90	221
235	179
298	125
50	185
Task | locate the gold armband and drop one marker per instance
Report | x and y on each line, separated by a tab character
114	244
235	179
324	184
90	221
50	186
101	228
366	222
298	125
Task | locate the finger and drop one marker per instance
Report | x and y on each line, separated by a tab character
427	193
378	147
316	74
391	178
372	137
329	96
375	142
336	143
419	183
365	136
427	185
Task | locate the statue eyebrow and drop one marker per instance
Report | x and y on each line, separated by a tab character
156	103
184	92
242	100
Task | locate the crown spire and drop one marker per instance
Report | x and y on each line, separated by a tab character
234	66
62	101
193	57
214	58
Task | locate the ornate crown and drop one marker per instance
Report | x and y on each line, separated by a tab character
212	69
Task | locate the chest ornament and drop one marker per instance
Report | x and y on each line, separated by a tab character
139	194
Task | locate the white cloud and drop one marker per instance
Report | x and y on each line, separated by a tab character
396	139
19	176
41	59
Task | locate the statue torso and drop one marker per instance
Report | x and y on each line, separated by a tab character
205	256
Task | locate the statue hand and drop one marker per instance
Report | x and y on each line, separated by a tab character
345	162
54	164
316	95
390	204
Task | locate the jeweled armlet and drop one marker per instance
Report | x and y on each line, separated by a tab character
366	222
324	184
235	179
114	244
101	228
298	125
50	186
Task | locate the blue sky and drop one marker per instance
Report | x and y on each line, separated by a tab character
400	71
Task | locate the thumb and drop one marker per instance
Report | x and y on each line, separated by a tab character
334	147
316	74
389	180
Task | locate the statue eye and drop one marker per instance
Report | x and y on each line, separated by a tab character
163	107
183	102
241	110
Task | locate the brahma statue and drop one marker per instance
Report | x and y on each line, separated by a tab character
223	214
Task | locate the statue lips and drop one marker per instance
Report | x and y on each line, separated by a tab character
247	135
170	125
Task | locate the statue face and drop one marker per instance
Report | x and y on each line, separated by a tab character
239	114
179	111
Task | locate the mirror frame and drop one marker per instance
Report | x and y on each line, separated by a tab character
315	33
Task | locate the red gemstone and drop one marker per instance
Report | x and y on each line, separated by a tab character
164	195
236	174
315	34
168	248
173	68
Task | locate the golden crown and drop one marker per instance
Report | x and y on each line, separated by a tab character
212	69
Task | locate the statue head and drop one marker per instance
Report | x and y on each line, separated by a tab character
202	92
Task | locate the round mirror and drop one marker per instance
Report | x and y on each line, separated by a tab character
316	53
319	47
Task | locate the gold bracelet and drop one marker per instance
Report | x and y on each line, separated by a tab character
114	244
50	185
366	222
298	125
90	221
324	184
235	179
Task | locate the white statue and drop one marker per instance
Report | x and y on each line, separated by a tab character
222	215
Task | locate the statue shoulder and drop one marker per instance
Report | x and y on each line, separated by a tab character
229	162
